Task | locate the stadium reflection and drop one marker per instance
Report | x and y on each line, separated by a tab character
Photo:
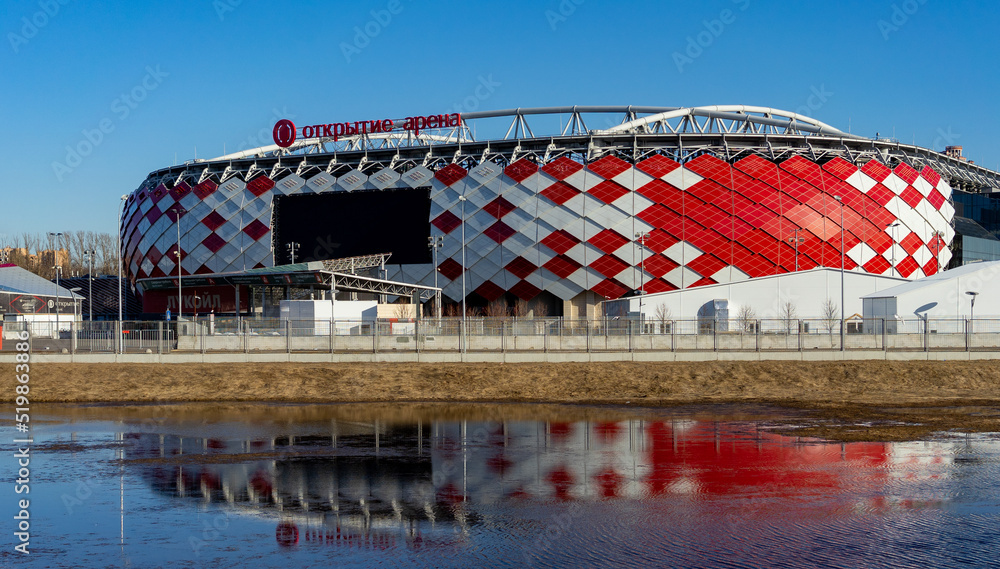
426	485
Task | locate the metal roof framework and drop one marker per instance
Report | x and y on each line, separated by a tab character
681	133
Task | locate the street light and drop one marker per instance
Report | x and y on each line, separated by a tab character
641	237
178	211
434	243
972	308
841	201
893	228
462	199
938	238
292	248
796	239
58	270
121	215
89	254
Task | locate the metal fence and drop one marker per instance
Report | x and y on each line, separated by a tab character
507	335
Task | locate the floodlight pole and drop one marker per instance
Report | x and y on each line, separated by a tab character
292	248
462	199
178	211
842	311
972	308
434	243
641	236
90	283
893	227
121	214
58	269
796	239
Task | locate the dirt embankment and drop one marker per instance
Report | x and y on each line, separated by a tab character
871	383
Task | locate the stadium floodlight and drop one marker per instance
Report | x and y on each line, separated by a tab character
292	248
121	216
640	237
893	228
434	243
462	199
796	240
840	199
89	255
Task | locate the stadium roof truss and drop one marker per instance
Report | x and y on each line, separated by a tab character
631	132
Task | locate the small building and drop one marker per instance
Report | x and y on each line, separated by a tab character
45	307
948	295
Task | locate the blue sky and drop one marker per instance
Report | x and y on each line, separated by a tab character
168	81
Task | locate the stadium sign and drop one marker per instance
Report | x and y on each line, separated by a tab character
285	131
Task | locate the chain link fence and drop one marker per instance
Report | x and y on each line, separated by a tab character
272	335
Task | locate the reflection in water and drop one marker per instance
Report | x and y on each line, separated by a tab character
662	491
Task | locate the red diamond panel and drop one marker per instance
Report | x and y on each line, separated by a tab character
562	266
702	282
657	285
499	232
931	267
560	241
213	220
450	174
908	174
562	168
657	165
710	192
499	207
159	274
608	167
180	190
560	192
907	267
910	243
930	175
911	196
876	170
171	253
709	216
658	265
706	264
154	213
520	170
205	189
707	241
255	229
662	192
525	290
450	269
608	191
936	199
609	265
608	241
663	218
840	168
203	270
521	267
260	185
213	242
490	291
881	194
154	255
708	166
659	241
447	222
609	288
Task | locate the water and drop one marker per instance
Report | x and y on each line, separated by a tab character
461	486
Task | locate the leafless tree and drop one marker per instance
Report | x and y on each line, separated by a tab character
746	317
521	308
789	315
539	309
497	309
831	315
663	316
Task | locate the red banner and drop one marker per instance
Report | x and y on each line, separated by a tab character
221	299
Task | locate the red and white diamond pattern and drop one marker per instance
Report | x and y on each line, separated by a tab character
565	227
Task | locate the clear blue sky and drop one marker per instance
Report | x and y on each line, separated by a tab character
212	75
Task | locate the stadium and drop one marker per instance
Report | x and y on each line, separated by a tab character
545	208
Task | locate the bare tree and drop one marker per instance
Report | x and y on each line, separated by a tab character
539	309
497	309
831	315
663	316
746	317
401	311
521	308
788	314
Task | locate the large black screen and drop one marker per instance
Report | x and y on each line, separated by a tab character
350	224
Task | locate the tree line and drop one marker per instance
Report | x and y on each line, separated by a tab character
41	252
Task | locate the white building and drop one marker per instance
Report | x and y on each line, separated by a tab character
944	295
806	292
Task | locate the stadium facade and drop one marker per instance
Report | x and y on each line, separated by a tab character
662	199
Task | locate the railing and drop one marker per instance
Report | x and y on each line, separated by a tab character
507	335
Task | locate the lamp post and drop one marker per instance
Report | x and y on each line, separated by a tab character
640	237
972	308
840	199
58	270
121	215
462	199
893	228
796	239
938	238
89	254
178	211
434	243
292	248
